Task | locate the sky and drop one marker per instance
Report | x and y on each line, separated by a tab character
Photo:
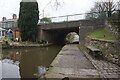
67	7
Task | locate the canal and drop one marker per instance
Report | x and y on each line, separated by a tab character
25	62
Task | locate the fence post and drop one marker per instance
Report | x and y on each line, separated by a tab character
67	18
79	33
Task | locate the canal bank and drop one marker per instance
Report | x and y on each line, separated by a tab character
71	62
74	63
17	45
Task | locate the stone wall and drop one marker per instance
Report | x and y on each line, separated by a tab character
112	26
110	49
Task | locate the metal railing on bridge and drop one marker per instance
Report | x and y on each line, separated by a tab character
66	18
82	16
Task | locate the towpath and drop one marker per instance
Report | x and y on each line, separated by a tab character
72	63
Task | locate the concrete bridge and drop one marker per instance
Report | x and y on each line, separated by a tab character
56	32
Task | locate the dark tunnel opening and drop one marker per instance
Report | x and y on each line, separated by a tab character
61	35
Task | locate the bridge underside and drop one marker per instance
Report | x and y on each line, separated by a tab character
56	35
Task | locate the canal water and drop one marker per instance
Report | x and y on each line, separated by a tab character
25	62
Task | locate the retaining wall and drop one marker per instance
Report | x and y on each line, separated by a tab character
110	49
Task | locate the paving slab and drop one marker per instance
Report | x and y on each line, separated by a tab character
72	73
71	62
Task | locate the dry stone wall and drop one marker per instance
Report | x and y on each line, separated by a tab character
113	26
110	49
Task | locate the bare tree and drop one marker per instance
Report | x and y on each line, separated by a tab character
102	9
56	4
110	6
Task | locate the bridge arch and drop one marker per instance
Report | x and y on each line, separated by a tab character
56	32
57	35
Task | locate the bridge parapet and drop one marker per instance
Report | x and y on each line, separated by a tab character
73	24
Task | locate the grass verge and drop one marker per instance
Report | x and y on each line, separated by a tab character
102	34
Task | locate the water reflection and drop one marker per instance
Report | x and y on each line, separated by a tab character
10	69
0	69
27	61
41	71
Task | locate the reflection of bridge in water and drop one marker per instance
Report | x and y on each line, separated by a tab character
62	25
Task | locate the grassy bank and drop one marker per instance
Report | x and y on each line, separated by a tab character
102	34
